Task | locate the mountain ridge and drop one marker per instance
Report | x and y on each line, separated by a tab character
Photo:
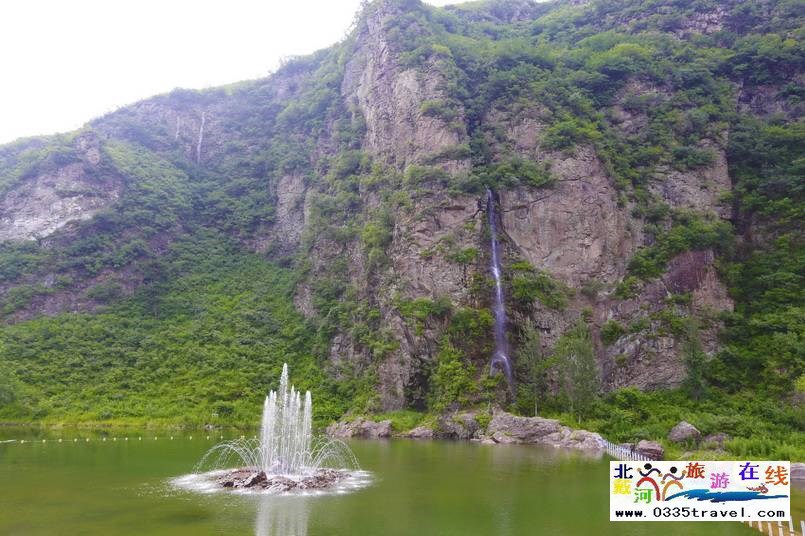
618	138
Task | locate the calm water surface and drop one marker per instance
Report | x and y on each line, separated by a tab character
420	488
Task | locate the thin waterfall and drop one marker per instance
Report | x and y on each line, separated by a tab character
200	137
500	359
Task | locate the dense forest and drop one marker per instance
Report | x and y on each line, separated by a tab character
178	300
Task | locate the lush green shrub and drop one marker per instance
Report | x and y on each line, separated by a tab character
451	380
468	325
512	171
689	232
416	175
611	331
105	292
568	133
439	109
529	284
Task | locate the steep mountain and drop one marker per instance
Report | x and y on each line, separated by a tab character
645	158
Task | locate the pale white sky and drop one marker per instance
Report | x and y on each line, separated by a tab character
64	62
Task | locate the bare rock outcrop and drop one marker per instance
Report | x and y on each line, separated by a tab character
462	425
651	357
798	472
59	194
702	189
650	449
420	432
574	229
291	216
360	428
507	428
390	97
418	251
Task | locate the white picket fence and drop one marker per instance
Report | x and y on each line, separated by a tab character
623	453
778	528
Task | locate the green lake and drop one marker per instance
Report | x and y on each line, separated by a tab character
419	488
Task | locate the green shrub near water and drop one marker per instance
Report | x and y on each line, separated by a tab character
452	379
758	426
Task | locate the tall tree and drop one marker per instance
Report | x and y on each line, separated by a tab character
694	361
576	357
534	363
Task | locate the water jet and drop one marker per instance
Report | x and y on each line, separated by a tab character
284	458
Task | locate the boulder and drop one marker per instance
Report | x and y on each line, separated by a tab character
462	425
255	479
718	439
420	432
797	471
683	432
650	449
360	427
521	429
507	428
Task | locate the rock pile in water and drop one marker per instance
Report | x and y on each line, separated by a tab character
252	478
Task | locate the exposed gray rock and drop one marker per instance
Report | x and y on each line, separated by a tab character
651	449
798	471
390	97
360	427
420	234
251	478
420	432
699	189
507	428
574	229
46	202
461	425
718	439
764	100
683	432
291	215
704	22
651	358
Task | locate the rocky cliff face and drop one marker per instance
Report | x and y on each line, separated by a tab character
46	200
373	195
390	97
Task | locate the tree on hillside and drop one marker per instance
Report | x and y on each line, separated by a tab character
534	364
579	373
694	358
8	384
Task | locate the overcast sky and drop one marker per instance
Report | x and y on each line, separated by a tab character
66	62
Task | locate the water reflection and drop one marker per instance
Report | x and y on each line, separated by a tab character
281	516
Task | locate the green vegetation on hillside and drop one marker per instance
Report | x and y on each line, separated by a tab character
203	346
